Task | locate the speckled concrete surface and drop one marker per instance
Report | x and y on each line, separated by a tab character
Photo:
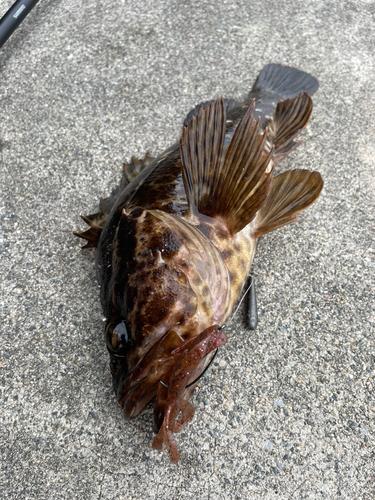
286	412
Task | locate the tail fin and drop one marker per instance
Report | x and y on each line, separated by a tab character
290	194
285	81
231	184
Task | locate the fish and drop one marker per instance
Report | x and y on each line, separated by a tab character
176	239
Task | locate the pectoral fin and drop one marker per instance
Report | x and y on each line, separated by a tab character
229	184
290	194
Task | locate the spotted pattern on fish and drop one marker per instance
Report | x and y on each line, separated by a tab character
176	240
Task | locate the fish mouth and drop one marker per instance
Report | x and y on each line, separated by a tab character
141	383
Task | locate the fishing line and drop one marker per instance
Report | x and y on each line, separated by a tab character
200	376
242	299
214	355
204	371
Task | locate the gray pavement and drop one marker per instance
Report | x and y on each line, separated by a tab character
287	411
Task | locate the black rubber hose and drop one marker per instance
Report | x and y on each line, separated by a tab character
14	17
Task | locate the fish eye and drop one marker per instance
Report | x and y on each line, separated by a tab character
117	337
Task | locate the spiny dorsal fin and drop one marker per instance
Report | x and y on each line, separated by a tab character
229	184
135	167
92	235
129	173
290	194
290	118
97	221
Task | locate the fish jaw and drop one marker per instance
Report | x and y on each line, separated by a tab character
202	262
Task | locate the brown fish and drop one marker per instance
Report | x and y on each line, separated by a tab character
175	241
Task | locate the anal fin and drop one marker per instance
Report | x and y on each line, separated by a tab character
290	194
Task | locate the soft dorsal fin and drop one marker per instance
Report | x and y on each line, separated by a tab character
228	105
290	118
129	173
290	193
230	184
97	221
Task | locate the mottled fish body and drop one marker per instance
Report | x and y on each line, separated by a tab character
175	241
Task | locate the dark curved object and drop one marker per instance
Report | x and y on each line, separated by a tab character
14	17
252	311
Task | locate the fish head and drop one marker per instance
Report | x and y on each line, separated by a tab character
177	286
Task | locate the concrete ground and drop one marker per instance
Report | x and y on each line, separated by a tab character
285	412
